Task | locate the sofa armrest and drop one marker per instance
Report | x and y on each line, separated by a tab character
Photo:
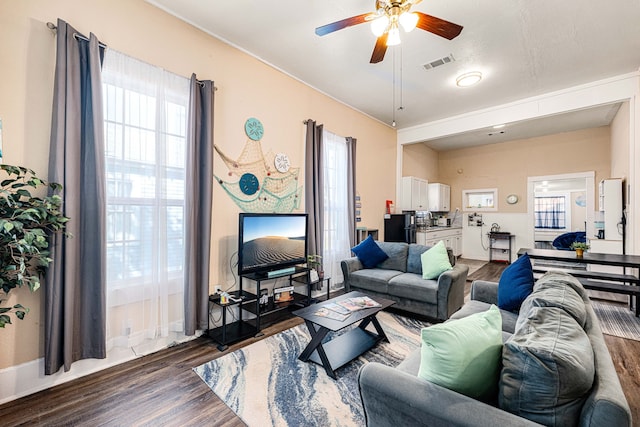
391	397
348	266
451	290
484	291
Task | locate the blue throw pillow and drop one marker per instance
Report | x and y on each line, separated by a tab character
516	283
369	253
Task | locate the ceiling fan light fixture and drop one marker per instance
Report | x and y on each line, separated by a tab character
379	25
408	20
394	36
468	79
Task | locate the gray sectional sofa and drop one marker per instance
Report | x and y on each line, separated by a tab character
399	278
397	396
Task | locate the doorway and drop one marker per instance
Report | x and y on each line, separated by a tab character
573	196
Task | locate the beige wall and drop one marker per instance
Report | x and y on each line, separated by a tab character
247	88
420	161
507	165
620	143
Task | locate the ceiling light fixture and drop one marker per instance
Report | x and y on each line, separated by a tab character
379	25
408	20
387	22
468	79
394	35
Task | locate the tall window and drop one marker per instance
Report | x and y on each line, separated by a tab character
550	212
336	203
145	131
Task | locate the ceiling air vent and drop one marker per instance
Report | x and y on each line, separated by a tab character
439	62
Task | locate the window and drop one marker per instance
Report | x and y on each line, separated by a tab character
336	204
480	200
145	131
550	212
145	111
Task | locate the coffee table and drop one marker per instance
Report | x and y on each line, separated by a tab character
345	347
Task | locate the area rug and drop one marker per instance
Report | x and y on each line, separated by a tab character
266	385
617	320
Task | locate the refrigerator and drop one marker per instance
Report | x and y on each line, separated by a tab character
400	227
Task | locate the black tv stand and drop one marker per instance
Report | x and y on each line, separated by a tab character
241	329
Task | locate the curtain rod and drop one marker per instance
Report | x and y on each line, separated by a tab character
77	36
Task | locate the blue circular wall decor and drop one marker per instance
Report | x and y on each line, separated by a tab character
254	129
249	184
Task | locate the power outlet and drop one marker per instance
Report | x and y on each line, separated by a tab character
217	289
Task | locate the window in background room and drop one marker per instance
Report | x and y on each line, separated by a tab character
145	111
550	212
336	204
481	200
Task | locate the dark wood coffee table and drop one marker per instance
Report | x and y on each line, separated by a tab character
343	348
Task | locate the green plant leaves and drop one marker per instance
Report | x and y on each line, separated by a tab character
26	224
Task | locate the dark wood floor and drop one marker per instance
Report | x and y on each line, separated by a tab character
162	390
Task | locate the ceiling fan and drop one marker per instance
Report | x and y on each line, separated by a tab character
385	23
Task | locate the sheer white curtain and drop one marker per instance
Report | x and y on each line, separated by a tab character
145	110
336	205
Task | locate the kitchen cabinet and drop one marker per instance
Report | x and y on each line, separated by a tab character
414	194
439	197
452	238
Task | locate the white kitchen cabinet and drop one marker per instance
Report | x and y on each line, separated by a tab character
439	197
452	238
414	194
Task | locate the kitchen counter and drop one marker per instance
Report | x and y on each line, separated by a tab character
451	236
437	228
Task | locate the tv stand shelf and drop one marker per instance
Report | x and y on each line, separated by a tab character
298	299
232	332
229	333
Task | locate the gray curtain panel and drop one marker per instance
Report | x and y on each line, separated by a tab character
351	191
75	316
314	187
198	205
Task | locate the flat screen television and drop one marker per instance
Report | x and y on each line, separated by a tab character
271	242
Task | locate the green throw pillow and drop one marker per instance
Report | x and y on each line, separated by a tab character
435	261
464	355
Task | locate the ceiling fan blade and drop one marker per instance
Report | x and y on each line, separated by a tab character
344	23
379	50
438	26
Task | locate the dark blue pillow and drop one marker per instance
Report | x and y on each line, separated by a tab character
369	253
516	283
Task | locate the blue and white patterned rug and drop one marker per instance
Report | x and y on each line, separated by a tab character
266	385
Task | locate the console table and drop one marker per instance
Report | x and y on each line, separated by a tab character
627	283
497	237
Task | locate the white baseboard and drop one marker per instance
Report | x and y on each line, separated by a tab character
28	378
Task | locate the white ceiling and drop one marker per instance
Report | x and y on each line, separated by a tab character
523	48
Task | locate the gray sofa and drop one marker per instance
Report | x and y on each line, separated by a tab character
399	278
396	396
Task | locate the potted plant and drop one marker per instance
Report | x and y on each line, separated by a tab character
579	247
315	262
26	222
